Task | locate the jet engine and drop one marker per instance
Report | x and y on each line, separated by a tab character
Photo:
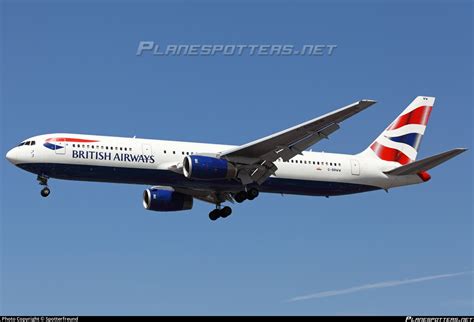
166	200
208	168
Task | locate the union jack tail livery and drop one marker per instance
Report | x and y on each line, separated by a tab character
401	139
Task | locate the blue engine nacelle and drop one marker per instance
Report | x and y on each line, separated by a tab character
166	200
208	168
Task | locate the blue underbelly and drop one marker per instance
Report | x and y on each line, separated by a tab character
168	178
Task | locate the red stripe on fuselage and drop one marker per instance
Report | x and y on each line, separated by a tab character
70	140
420	115
389	154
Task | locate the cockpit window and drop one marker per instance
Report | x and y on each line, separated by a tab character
27	143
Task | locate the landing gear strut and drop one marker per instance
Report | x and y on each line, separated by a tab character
220	212
43	180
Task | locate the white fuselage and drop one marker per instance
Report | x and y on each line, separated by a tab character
158	162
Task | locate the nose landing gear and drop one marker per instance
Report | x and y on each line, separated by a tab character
43	180
45	192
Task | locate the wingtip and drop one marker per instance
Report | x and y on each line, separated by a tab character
458	151
369	101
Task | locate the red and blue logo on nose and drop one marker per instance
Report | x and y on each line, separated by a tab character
50	143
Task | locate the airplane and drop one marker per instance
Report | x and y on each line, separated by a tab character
179	172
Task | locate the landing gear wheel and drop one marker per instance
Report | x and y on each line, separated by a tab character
214	215
45	192
225	212
240	196
252	194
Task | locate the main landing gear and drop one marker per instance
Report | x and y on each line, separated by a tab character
220	212
250	194
43	180
241	196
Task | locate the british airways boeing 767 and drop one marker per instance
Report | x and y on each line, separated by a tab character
179	172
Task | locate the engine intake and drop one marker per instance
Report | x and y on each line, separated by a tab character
208	168
166	200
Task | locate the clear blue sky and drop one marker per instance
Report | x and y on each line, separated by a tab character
91	248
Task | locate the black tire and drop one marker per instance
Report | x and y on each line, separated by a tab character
214	215
45	192
240	196
225	212
252	194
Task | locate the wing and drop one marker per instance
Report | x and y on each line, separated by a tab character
255	159
210	196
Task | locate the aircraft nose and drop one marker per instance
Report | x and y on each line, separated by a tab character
11	156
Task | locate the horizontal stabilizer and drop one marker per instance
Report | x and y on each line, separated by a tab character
425	164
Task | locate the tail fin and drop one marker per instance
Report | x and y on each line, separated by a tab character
401	139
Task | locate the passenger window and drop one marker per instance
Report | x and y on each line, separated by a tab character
120	149
164	151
